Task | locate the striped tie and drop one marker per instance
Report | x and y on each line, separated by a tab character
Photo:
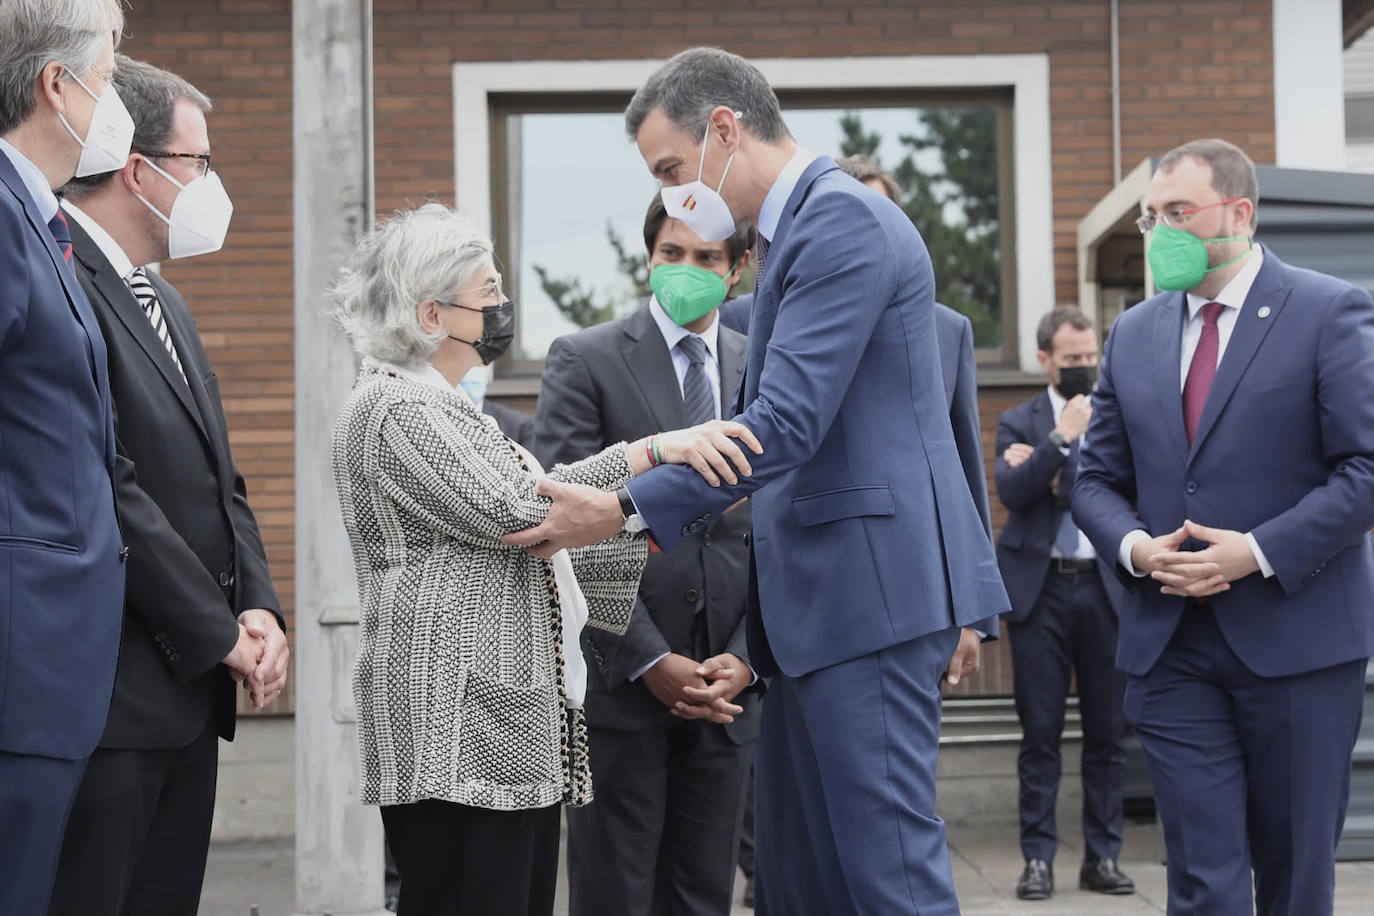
61	234
696	387
147	297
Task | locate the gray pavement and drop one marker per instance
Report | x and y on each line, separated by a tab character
986	863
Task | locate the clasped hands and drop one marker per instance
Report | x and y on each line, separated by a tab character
258	659
1195	573
699	690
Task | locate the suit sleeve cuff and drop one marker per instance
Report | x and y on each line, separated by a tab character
1127	544
643	669
1260	559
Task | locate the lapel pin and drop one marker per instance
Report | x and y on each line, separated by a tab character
1263	312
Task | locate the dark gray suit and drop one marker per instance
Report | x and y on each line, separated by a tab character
140	827
663	833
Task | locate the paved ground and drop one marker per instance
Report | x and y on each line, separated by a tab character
986	865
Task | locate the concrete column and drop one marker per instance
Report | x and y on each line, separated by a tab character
338	841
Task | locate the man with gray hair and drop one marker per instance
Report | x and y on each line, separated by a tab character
200	612
61	559
868	552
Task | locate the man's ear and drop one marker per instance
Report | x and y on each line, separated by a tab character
48	88
723	123
130	176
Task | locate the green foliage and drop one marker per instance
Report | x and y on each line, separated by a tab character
587	307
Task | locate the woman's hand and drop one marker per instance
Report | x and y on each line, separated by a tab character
711	449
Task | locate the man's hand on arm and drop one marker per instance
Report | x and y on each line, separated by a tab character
968	655
579	515
268	678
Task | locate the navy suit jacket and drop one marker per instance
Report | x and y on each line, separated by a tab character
61	575
865	533
1023	549
1284	449
959	370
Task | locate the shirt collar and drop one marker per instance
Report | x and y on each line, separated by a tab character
673	332
770	214
425	374
103	240
1057	401
34	180
1233	294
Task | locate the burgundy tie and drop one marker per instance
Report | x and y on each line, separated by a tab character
1202	370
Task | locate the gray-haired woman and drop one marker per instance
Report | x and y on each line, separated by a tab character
469	678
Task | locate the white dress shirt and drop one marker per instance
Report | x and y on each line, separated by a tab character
770	214
1084	550
35	182
571	601
674	333
1232	296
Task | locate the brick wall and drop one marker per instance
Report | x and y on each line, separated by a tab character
1187	69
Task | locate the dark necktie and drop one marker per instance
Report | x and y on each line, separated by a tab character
696	387
1066	536
1202	370
146	295
61	234
760	256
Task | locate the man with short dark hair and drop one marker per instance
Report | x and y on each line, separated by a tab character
663	834
200	612
1229	474
1063	614
61	555
868	550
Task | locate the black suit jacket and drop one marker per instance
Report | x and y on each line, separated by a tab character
196	560
616	382
1028	492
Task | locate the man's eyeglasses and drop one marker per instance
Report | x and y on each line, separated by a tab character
202	160
1177	217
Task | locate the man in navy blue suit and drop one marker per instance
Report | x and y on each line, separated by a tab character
1063	614
868	550
61	557
1229	472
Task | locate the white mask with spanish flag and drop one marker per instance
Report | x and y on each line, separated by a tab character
698	207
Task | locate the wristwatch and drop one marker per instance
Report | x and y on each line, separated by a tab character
1058	439
633	522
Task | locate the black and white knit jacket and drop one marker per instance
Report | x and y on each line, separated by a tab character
459	678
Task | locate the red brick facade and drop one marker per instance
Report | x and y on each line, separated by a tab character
1187	70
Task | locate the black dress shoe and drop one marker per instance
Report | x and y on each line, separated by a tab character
1104	877
1037	881
749	892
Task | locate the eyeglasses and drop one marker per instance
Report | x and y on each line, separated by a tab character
202	159
492	289
1177	217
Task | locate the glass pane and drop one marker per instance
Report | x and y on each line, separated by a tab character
578	191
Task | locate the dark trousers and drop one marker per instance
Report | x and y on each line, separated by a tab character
1071	630
746	834
1249	773
139	832
461	861
661	837
35	797
845	776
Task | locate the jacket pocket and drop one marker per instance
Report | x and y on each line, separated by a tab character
847	502
509	734
23	543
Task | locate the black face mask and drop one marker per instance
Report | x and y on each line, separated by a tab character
498	330
1076	380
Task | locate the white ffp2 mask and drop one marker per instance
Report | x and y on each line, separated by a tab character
697	206
200	215
109	136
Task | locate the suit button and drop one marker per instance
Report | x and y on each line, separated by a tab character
692	595
686	531
123	554
174	657
1191	488
706	539
747	537
225	580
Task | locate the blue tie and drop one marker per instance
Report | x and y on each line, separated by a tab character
1066	537
696	387
62	235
